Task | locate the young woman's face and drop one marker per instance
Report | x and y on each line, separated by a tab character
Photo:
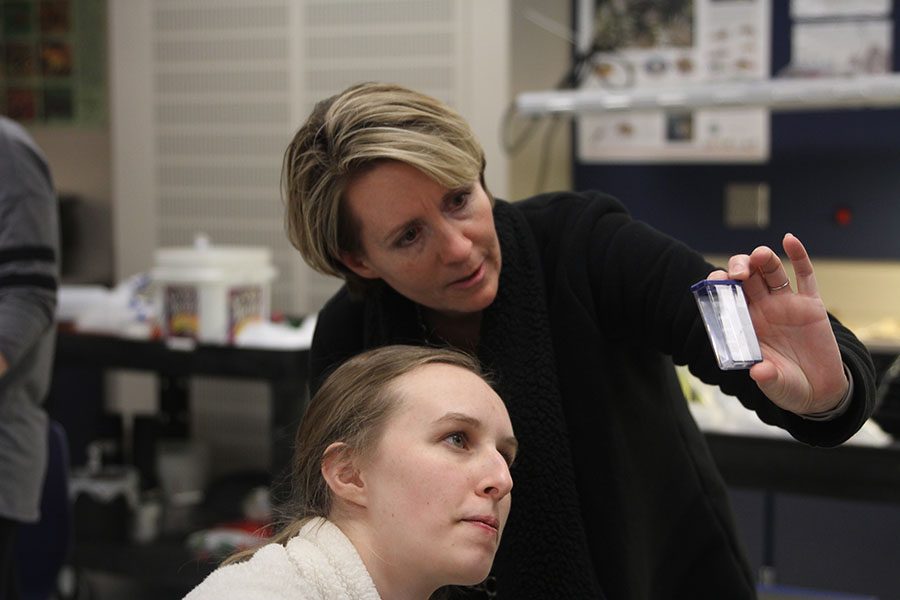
437	247
438	484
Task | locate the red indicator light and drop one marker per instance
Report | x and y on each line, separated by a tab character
843	216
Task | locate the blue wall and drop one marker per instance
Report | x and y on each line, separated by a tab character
820	161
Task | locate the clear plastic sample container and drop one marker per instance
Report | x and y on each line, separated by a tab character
726	316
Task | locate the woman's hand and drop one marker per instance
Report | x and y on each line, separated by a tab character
801	369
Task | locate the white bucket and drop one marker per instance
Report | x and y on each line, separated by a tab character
208	293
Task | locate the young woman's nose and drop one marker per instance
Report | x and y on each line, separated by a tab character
497	481
455	245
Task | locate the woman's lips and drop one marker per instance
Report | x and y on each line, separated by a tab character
488	524
470	280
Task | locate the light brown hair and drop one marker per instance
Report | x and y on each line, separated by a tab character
348	133
352	407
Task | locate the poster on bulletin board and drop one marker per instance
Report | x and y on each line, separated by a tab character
643	44
53	61
832	38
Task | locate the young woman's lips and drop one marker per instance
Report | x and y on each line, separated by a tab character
471	280
486	524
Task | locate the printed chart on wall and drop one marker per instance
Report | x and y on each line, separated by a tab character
834	38
649	44
53	61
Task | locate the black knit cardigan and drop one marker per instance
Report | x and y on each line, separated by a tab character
615	490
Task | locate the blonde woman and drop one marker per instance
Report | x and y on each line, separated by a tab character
579	311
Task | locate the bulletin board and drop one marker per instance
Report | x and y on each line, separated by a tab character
820	163
53	61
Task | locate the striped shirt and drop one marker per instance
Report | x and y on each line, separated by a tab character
29	276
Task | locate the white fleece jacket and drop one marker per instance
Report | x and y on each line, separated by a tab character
319	563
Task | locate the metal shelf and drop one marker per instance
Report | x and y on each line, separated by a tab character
796	94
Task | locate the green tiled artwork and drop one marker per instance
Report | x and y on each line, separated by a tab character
51	58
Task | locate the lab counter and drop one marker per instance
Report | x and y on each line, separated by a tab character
284	371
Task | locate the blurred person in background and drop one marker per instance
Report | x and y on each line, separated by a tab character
29	275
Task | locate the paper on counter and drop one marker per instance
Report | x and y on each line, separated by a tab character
264	334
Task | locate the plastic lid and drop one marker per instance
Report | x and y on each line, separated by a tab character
707	282
205	254
222	274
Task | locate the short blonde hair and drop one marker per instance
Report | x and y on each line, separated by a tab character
351	132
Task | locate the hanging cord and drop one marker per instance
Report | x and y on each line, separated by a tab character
513	143
512	146
582	63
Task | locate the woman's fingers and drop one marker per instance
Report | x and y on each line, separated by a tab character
739	267
771	269
763	272
765	374
747	268
803	269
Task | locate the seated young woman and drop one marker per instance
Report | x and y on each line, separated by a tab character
400	485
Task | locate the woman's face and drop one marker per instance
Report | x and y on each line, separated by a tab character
438	484
437	247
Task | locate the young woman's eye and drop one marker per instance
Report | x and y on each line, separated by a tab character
457	439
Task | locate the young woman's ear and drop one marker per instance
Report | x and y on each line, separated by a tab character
342	474
359	265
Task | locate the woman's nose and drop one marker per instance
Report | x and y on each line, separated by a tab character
455	245
497	481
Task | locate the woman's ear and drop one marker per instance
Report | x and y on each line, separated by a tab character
342	474
359	265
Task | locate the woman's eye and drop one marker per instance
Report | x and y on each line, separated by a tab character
457	439
408	237
459	200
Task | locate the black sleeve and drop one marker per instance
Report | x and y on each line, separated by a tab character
637	281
